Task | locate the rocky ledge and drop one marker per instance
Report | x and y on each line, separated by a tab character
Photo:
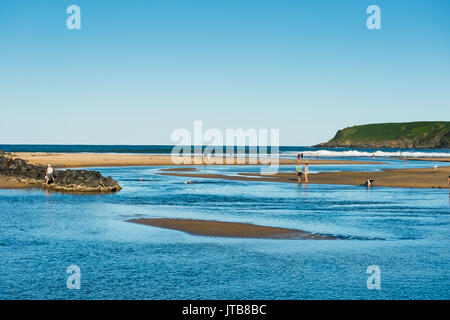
74	181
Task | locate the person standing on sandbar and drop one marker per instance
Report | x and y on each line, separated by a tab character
298	169
299	172
305	173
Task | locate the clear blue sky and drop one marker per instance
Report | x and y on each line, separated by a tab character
139	69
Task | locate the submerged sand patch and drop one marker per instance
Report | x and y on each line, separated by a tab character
230	229
184	169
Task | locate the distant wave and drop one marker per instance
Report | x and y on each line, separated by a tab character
378	153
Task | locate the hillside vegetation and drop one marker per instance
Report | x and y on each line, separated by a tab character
434	134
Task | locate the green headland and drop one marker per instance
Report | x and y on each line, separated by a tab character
432	134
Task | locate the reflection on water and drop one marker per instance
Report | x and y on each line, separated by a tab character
42	233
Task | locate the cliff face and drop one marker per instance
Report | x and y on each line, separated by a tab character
75	181
393	135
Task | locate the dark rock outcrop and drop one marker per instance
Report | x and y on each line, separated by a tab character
65	180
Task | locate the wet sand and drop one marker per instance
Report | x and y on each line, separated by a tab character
9	183
77	160
406	178
230	229
430	159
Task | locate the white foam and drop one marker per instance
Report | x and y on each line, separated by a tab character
378	153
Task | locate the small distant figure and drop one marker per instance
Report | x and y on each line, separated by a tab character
298	157
301	155
50	174
369	182
448	180
188	182
373	155
299	171
305	173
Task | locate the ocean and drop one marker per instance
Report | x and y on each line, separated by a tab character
283	151
402	231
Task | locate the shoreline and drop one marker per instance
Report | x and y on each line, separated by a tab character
213	228
407	178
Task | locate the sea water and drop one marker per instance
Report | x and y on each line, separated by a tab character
282	151
403	231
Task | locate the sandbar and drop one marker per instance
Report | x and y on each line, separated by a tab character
405	178
430	159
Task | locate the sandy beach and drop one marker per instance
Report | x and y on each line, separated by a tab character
230	229
78	160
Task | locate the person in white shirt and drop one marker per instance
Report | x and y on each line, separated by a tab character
299	171
50	174
369	182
